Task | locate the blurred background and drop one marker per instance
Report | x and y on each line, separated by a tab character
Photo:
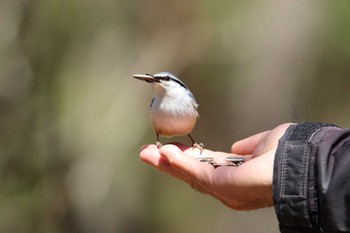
72	118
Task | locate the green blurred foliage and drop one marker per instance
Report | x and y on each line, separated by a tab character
72	118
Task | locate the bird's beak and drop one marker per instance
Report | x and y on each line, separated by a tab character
146	77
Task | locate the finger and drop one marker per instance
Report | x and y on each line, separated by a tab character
248	145
218	156
150	155
270	141
187	165
199	174
194	152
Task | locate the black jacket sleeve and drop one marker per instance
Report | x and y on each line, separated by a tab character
311	180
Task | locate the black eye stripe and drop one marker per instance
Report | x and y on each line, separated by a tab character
168	78
179	82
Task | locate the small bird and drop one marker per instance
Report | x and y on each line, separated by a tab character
173	109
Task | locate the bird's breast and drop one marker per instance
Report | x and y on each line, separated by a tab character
173	117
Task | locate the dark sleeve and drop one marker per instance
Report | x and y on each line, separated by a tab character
311	180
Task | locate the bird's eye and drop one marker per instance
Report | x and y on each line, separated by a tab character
167	78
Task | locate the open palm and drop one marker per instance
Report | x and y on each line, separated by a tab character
246	187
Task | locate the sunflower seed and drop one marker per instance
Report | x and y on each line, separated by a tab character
209	160
234	160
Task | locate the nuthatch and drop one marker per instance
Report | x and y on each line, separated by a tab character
173	108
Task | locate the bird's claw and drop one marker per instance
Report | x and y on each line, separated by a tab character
159	144
200	146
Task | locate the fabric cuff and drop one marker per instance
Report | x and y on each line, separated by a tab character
294	178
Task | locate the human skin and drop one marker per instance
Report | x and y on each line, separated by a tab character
246	187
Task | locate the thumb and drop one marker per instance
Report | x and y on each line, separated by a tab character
248	145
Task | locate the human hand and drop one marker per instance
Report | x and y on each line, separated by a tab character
246	187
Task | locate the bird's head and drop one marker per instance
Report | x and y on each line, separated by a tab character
165	80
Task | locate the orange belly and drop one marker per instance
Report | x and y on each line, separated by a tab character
169	126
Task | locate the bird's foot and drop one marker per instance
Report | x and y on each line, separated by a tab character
200	146
159	144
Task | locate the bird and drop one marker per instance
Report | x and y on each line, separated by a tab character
173	109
